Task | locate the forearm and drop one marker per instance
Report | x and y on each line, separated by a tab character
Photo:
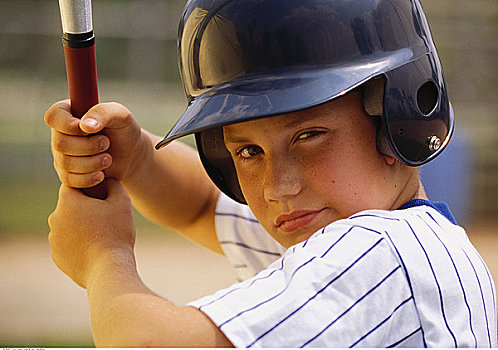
92	242
125	313
111	283
116	294
172	189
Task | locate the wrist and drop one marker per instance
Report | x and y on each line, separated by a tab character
112	269
143	155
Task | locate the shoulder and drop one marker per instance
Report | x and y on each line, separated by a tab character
359	241
343	286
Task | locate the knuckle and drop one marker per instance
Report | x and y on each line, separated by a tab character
98	111
120	108
58	142
66	162
52	114
120	113
65	179
49	117
62	174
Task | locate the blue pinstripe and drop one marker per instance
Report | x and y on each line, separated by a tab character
350	229
251	248
482	296
317	293
279	269
256	279
490	280
373	216
402	267
457	274
269	299
383	321
405	338
352	306
437	283
408	279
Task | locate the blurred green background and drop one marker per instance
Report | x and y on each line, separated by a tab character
136	52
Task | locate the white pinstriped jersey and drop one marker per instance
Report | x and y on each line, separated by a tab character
403	278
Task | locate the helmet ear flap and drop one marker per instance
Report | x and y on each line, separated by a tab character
427	97
218	162
373	104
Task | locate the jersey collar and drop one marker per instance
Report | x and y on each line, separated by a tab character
441	207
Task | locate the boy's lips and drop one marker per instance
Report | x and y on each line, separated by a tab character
296	219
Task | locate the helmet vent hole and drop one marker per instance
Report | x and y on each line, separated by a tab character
427	97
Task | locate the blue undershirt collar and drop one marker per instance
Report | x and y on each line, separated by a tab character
441	207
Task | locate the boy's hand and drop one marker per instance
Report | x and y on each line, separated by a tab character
80	156
86	232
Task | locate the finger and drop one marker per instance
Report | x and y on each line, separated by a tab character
59	117
82	165
106	115
75	180
79	145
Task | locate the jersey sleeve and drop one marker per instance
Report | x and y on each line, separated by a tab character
246	244
342	287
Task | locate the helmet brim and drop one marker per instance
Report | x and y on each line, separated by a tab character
278	92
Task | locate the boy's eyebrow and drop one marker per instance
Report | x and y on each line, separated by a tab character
235	139
298	119
294	121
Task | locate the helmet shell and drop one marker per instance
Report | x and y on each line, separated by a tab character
246	59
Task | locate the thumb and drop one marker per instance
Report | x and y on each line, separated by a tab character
105	115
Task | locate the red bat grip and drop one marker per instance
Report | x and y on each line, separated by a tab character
81	71
82	79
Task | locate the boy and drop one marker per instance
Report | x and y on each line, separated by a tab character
314	114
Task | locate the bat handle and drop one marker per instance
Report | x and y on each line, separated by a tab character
81	70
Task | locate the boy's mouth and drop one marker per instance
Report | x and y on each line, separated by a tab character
296	220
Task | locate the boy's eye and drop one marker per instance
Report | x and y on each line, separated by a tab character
248	151
308	134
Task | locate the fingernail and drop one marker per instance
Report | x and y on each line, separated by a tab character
105	161
103	144
91	122
98	177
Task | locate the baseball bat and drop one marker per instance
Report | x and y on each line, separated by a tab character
79	52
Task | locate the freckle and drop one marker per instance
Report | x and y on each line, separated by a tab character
333	181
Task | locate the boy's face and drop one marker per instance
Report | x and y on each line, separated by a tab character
301	171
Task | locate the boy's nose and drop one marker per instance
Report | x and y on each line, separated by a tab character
281	180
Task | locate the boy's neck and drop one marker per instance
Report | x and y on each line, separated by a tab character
413	190
420	193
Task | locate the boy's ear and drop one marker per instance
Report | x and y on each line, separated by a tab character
389	160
